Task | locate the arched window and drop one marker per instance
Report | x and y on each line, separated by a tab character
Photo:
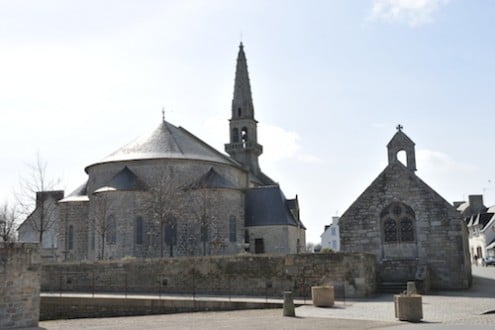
402	157
70	237
235	135
239	112
111	230
244	134
139	230
398	223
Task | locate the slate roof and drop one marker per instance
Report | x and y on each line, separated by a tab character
266	206
168	141
78	195
125	179
481	219
212	179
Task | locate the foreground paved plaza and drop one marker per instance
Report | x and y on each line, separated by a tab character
442	310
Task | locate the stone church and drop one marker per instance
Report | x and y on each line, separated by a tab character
169	193
415	234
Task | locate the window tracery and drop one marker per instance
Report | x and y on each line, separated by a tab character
398	223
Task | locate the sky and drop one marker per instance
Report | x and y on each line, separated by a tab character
330	81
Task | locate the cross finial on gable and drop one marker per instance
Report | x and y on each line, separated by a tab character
399	127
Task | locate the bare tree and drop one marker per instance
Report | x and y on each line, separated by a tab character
32	195
8	222
202	205
101	221
164	205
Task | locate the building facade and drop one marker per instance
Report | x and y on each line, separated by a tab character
330	239
170	194
414	233
480	222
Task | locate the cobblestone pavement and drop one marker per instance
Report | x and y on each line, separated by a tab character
441	310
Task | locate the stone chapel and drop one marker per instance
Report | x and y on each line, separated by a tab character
170	194
415	234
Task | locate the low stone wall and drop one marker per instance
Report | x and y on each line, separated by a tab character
19	285
54	308
252	275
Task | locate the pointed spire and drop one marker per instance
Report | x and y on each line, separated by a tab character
243	146
242	88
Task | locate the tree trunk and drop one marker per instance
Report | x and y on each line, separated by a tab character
102	246
161	238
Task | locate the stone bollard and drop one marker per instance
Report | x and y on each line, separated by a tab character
408	307
322	296
289	309
411	288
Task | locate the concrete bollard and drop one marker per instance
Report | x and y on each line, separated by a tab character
411	288
289	309
408	307
322	296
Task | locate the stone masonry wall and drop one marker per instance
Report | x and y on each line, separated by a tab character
255	275
19	285
439	237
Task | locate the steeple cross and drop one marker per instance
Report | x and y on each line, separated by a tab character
163	113
399	127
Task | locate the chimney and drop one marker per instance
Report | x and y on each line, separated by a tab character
476	204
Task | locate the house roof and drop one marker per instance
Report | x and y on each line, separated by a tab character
267	206
167	141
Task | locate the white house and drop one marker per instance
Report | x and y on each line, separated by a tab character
330	239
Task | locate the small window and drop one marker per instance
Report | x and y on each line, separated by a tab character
239	112
139	230
232	229
334	232
259	245
71	237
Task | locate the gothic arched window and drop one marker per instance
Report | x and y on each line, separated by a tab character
398	223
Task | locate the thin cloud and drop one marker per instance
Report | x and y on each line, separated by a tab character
439	162
411	12
278	143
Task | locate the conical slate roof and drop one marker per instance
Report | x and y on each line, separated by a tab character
168	141
212	179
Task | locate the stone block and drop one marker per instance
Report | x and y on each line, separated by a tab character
323	296
408	307
289	309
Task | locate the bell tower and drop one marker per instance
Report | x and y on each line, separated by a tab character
243	145
401	142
